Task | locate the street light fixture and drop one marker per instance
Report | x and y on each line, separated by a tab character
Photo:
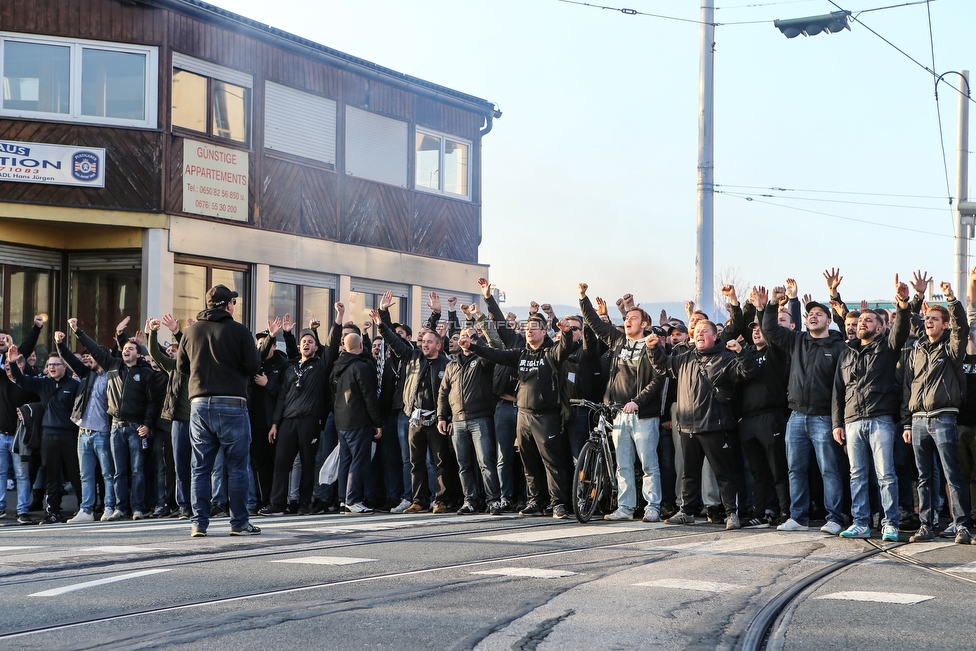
831	23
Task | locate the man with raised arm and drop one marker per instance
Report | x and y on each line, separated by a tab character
634	384
866	400
813	360
935	389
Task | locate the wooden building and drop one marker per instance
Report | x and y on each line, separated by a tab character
152	148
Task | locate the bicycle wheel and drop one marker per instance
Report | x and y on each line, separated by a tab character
587	484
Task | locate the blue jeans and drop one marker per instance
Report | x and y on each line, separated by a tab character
9	459
636	439
218	484
578	430
181	459
474	441
391	459
129	458
871	441
403	434
506	416
804	433
92	447
939	434
217	426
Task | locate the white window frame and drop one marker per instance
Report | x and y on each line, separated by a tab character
421	131
74	88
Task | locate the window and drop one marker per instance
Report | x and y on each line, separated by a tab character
442	164
28	291
303	304
211	99
299	123
376	147
361	303
78	81
193	278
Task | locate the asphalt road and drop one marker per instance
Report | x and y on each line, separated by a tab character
472	582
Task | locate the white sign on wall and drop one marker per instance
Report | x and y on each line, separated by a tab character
215	181
32	162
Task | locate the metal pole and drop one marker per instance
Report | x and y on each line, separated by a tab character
963	232
704	286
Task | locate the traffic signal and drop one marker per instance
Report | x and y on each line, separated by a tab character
813	25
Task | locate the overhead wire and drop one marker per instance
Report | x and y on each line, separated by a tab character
850	203
870	194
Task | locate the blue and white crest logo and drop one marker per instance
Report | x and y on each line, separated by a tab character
84	166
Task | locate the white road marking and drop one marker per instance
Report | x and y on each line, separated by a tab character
688	584
921	548
14	548
879	597
384	523
967	568
325	560
562	532
123	549
91	584
528	572
738	543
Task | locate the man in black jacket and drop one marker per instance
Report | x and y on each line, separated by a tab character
634	384
464	412
935	387
866	401
357	418
219	356
59	445
265	390
542	445
130	404
11	398
702	414
813	359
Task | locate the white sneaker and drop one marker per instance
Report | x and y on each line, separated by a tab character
619	514
107	515
651	515
358	507
401	507
138	515
792	525
82	516
832	528
949	532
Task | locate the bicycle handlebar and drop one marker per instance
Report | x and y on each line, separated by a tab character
613	409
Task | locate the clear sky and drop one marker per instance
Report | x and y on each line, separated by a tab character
590	174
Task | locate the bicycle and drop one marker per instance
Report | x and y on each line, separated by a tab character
596	468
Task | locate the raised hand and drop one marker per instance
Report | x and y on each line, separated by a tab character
152	324
901	291
864	305
790	288
374	315
651	340
40	320
779	294
562	325
274	327
946	289
59	337
13	354
387	300
171	324
190	321
121	326
663	319
582	287
833	279
837	306
728	291
73	324
734	346
313	324
465	310
287	324
340	310
547	308
451	302
628	301
920	281
601	306
762	297
139	337
533	307
689	308
485	288
807	299
434	302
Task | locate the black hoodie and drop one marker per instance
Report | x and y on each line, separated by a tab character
354	386
219	356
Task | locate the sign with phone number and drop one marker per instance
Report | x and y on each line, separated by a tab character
215	181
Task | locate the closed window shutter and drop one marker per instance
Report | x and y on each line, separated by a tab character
208	69
376	147
299	123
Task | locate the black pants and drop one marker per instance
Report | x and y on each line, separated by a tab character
295	436
262	460
420	438
763	440
545	453
717	448
355	446
59	453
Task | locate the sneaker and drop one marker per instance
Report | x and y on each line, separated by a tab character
832	528
217	511
303	510
247	530
793	525
359	507
160	512
756	523
507	506
889	533
184	513
115	516
292	508
680	518
949	532
23	518
495	508
856	531
3	515
560	512
439	508
271	510
651	515
414	508
401	507
619	514
466	509
138	515
924	534
962	536
531	508
82	516
317	507
197	533
715	515
732	522
50	518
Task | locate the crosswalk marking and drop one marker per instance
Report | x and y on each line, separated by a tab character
122	549
325	560
880	597
688	584
528	572
15	548
386	523
91	584
569	531
738	543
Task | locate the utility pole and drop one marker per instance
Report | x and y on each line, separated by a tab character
705	253
964	221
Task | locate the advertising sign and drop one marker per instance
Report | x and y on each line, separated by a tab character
215	181
32	162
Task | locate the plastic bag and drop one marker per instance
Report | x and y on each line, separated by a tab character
330	469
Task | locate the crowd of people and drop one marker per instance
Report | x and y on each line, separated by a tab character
783	413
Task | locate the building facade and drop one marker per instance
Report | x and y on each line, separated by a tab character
152	148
